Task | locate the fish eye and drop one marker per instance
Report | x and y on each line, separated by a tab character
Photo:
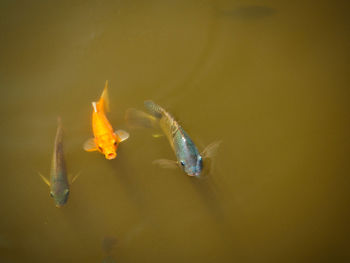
51	194
182	163
115	143
100	148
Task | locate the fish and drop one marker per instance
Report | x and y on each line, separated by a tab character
105	140
186	152
108	247
59	184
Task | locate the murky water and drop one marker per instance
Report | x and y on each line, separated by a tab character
270	80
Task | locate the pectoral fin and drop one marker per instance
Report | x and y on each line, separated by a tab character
123	135
139	119
157	135
211	149
74	178
44	179
90	145
165	163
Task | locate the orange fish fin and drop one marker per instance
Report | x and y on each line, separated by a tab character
122	135
90	145
94	106
103	103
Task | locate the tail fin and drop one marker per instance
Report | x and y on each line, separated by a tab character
59	121
103	103
154	109
59	132
59	127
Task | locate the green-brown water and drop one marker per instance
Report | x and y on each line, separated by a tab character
269	79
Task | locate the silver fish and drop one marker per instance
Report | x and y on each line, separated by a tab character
187	154
185	150
59	185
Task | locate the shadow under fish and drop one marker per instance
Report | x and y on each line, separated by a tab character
187	154
59	184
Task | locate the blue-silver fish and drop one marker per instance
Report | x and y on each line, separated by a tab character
185	150
187	154
59	185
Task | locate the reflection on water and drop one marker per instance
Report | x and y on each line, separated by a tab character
267	78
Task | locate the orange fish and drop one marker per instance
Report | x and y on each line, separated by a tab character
105	139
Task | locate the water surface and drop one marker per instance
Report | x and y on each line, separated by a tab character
270	80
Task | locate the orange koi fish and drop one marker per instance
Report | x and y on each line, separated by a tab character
105	139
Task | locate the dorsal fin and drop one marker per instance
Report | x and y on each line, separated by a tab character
103	103
94	106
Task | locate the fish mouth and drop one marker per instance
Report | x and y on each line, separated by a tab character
111	156
194	174
59	205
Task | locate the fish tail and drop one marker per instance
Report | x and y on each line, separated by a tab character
59	132
103	103
59	121
154	109
59	127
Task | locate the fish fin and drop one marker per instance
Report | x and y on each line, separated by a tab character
157	135
139	119
44	179
123	135
94	106
90	145
75	177
59	121
103	103
165	163
154	109
210	150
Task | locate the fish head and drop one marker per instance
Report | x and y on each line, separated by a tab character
108	148
192	165
60	196
110	154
